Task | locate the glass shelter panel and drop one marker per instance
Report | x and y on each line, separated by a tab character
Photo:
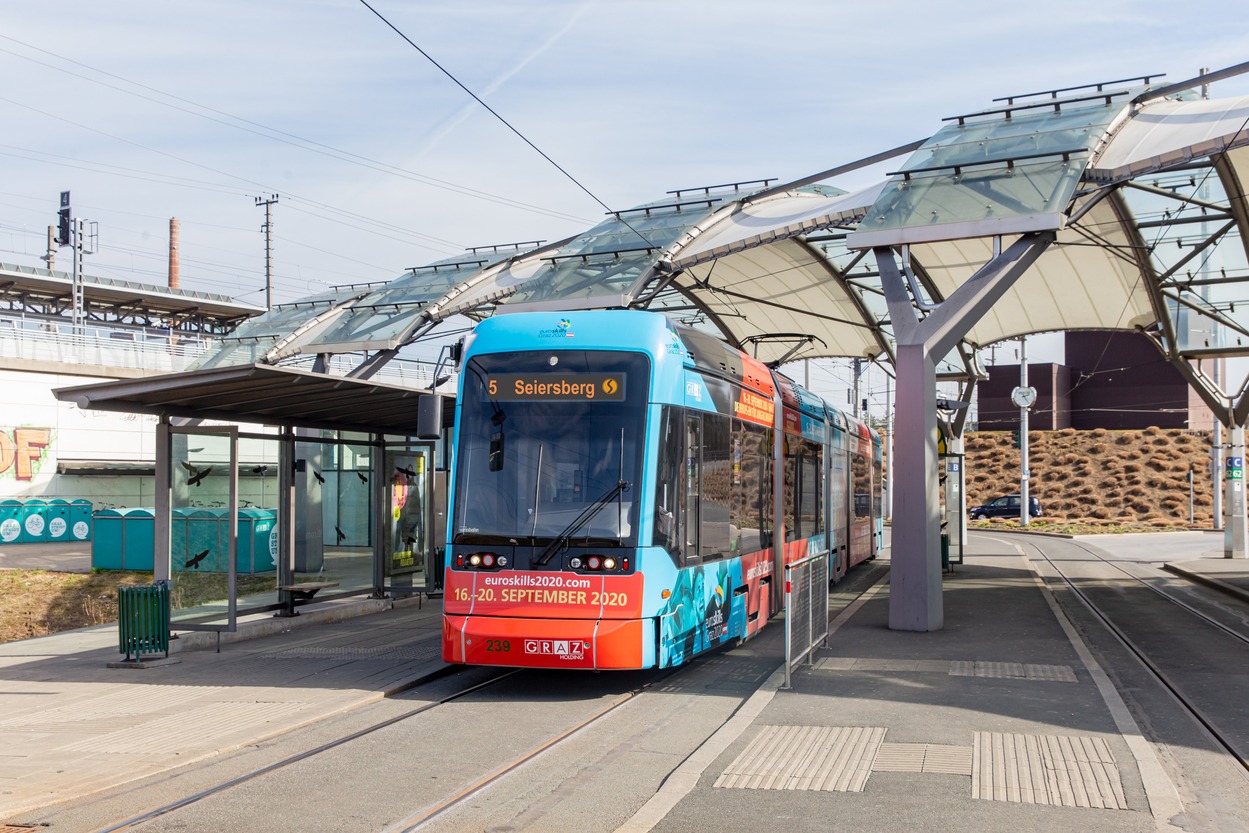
333	501
202	536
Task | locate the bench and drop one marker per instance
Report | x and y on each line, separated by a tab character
302	592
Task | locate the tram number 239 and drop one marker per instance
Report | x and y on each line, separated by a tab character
498	646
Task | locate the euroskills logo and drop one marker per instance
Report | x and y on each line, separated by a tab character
562	329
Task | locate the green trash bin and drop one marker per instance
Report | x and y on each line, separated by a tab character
945	552
10	521
143	619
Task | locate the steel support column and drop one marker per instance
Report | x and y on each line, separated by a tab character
1234	518
915	602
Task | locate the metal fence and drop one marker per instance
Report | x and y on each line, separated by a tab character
806	609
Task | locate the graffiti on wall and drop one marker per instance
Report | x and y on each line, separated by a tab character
22	451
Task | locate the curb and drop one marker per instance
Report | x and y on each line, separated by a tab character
1214	583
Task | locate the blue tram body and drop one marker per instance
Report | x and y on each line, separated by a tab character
625	489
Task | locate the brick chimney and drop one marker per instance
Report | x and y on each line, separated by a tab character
175	280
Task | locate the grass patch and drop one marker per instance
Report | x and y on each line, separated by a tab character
40	602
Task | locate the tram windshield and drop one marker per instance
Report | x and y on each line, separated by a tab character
549	448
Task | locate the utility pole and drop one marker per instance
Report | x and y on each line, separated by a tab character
1023	435
267	228
858	377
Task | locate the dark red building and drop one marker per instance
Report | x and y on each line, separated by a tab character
1109	380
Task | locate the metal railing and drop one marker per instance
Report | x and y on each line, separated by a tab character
806	609
106	347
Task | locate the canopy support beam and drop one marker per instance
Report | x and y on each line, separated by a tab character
915	602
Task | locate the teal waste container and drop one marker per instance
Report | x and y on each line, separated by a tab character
205	542
106	545
34	521
138	534
177	535
10	521
255	526
945	552
80	517
58	520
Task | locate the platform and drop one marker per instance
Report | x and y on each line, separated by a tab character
1002	720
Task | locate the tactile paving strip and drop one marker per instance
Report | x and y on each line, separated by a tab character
829	758
1064	770
1007	670
957	668
935	758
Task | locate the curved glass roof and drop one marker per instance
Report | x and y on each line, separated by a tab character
1143	190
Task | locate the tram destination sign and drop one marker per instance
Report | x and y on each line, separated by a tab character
556	387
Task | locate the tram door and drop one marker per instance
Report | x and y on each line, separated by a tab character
692	523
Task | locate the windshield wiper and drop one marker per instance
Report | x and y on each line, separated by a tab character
581	520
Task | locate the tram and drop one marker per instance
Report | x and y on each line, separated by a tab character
626	491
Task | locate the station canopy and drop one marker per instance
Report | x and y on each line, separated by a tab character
1141	185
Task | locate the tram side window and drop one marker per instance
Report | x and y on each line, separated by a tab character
804	485
838	483
669	485
750	525
716	488
878	489
862	485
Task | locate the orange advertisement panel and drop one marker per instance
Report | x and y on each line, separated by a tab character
754	408
543	643
757	573
543	594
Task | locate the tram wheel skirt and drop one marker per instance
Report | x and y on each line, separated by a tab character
549	643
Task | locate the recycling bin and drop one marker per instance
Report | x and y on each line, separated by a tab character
58	520
80	517
34	518
205	542
254	528
10	521
138	539
107	544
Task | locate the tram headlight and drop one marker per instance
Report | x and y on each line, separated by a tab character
474	560
609	563
501	561
575	563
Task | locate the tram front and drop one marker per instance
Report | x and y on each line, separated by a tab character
542	567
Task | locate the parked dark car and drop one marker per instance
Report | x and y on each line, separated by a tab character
1006	506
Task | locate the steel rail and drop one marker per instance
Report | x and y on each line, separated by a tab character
1159	675
293	759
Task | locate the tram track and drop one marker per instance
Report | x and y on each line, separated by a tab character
1236	747
290	761
219	790
429	811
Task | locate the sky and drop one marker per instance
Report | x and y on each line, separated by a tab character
147	110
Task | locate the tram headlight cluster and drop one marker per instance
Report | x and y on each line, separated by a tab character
481	560
598	563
